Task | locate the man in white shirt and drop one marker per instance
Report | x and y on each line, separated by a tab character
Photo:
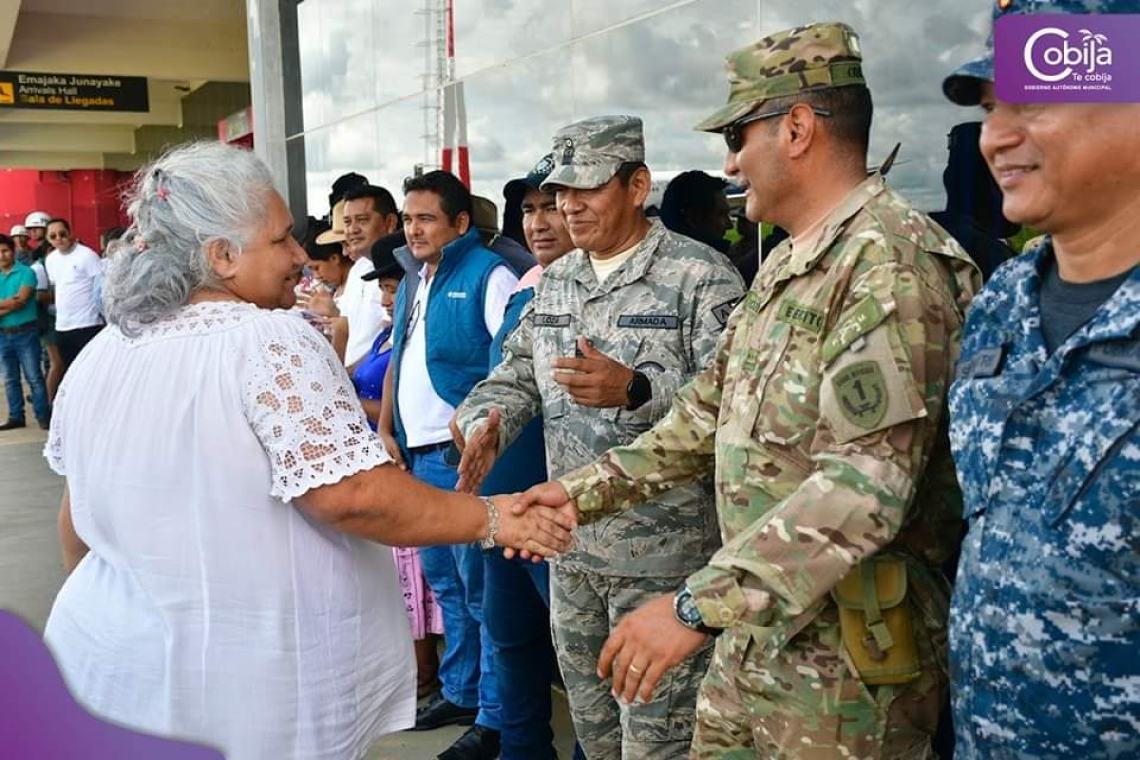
75	272
441	348
370	213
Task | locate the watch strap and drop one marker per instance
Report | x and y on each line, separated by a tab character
638	391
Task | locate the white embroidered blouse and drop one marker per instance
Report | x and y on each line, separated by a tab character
209	607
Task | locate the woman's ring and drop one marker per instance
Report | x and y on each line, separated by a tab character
635	669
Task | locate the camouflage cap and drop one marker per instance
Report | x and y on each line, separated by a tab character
588	153
812	57
964	85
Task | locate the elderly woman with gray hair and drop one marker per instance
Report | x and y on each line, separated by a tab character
224	492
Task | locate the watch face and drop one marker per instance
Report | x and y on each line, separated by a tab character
687	609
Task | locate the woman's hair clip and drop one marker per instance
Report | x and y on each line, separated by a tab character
162	192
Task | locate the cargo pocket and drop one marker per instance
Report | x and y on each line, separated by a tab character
875	621
1095	457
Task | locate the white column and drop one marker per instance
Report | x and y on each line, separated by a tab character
275	91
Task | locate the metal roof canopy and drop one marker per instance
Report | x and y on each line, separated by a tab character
194	56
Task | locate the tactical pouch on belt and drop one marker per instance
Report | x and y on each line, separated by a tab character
875	622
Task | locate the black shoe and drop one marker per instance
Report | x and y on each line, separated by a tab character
477	743
439	712
12	425
45	423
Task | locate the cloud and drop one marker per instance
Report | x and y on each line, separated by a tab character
531	67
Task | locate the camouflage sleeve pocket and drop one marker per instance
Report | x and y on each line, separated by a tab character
867	381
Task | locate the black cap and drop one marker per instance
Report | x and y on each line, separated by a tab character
383	255
343	184
515	190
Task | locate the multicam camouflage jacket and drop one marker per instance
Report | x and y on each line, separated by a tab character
661	312
822	417
1045	625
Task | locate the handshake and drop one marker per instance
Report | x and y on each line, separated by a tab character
535	524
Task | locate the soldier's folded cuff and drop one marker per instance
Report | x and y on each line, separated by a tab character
719	597
588	488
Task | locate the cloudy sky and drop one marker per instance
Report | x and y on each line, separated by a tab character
531	66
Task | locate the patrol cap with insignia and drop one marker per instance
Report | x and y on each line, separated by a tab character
964	85
587	153
812	57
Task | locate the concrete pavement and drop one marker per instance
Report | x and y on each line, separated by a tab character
31	572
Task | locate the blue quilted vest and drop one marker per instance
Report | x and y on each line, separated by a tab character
457	339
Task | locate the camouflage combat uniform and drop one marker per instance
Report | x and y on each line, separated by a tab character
660	312
1045	621
822	419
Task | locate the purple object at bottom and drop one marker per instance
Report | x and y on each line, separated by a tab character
40	720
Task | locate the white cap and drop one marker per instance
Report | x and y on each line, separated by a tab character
19	230
37	219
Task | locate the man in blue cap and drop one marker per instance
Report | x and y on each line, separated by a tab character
516	592
1045	427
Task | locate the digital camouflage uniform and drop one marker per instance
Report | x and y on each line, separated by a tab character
1045	621
822	419
660	312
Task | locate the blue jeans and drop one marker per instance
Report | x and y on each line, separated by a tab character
455	574
21	352
517	607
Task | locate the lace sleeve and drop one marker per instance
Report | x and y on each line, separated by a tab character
53	449
302	407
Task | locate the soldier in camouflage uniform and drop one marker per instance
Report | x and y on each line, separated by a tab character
1045	427
823	418
654	322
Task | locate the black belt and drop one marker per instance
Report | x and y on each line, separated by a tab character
429	448
26	327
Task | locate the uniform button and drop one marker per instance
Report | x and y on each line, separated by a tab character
726	616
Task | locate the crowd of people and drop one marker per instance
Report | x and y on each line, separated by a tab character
50	308
720	495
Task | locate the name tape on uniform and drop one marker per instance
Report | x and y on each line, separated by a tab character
649	321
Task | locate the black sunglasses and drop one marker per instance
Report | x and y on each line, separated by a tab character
733	133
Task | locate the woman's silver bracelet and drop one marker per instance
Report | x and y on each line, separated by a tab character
492	524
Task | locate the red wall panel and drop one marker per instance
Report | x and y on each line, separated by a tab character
91	199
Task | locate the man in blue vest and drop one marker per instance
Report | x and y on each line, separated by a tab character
441	343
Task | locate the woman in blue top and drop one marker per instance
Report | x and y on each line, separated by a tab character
369	374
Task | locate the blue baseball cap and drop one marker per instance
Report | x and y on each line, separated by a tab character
964	85
515	190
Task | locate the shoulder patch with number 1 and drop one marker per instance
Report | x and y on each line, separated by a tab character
862	393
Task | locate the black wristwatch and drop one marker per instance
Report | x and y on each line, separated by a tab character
639	391
687	614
